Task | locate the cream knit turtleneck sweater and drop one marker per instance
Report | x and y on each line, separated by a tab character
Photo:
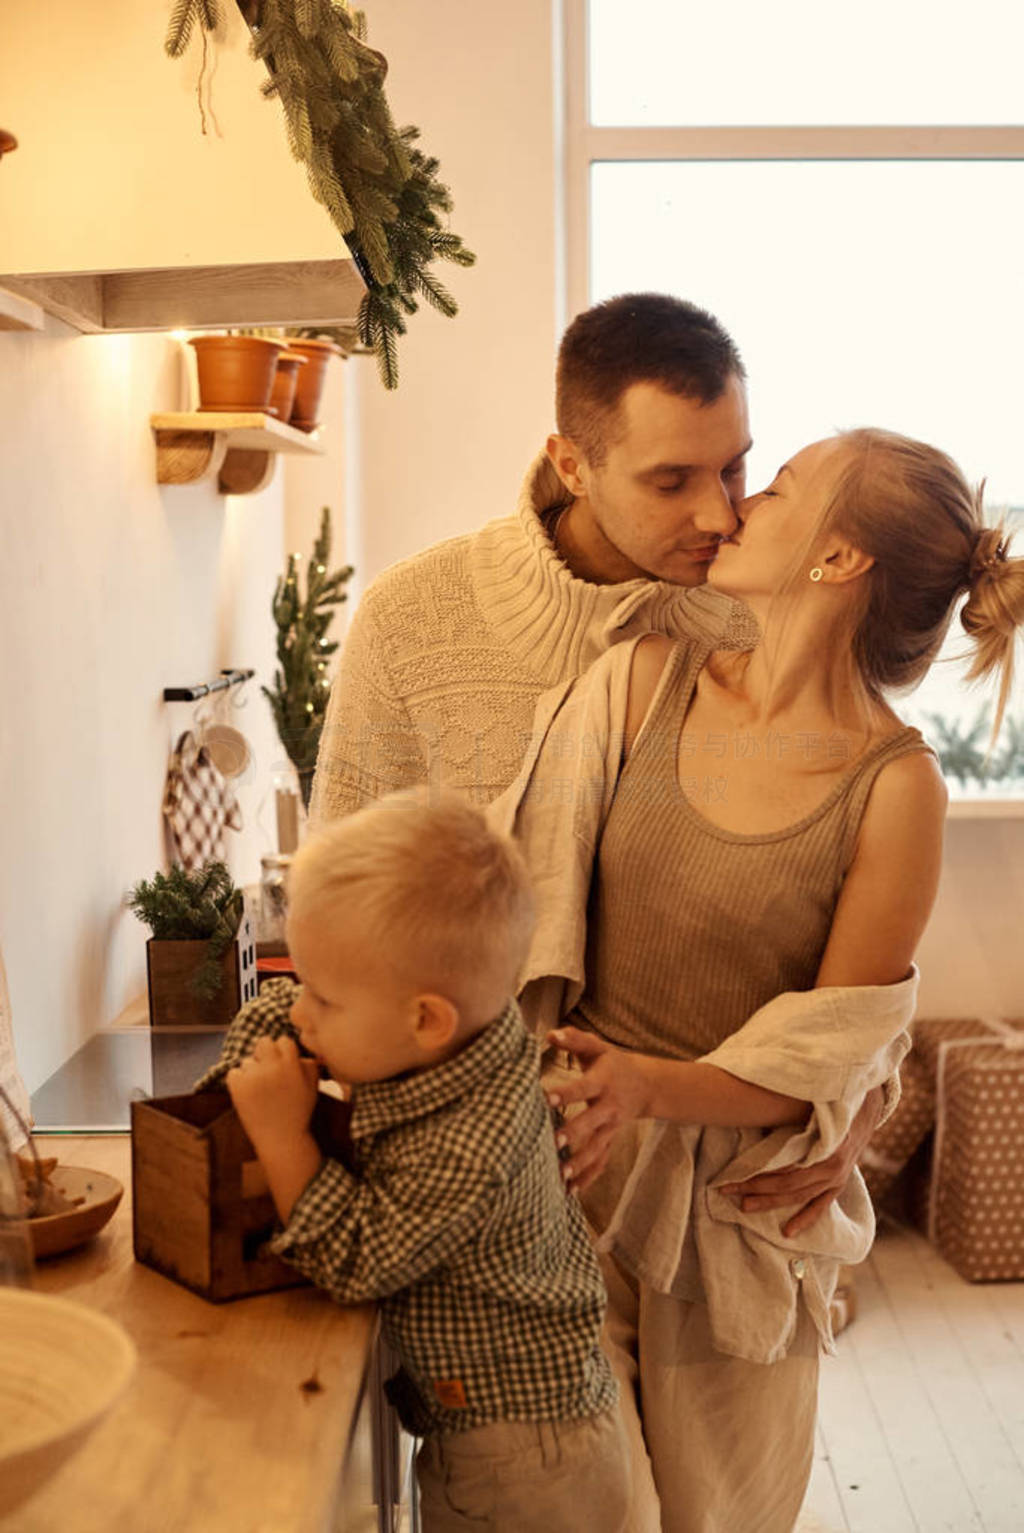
448	652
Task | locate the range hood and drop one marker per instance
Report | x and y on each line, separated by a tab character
289	293
119	213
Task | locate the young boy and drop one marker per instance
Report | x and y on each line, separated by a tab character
407	925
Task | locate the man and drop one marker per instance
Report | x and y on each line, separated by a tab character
617	524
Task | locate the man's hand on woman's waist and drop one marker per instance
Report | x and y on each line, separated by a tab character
813	1187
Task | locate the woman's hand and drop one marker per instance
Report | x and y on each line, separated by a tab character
613	1088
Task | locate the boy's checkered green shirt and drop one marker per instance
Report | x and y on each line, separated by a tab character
457	1222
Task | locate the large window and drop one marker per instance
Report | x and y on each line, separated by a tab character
843	185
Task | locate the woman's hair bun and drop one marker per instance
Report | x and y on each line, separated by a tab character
993	613
991	549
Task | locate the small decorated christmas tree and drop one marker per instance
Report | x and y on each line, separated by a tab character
301	685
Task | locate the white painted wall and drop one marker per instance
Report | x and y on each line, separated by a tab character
312	483
112	588
972	955
476	400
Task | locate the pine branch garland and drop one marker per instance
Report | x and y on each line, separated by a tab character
450	247
183	18
306	17
341	57
435	293
179	28
381	192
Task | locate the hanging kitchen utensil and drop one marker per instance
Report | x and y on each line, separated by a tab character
198	804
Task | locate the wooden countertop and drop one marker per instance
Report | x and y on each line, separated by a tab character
239	1417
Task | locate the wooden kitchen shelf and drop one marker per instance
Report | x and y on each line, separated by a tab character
19	313
290	293
239	450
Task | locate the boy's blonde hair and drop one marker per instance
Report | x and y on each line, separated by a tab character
445	900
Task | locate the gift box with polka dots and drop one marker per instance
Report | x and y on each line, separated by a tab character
973	1203
896	1146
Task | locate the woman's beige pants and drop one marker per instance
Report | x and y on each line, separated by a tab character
717	1444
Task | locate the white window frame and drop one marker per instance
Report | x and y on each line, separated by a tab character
584	145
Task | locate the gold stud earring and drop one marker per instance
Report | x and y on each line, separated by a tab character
817	573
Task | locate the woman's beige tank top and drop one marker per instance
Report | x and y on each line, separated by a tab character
692	928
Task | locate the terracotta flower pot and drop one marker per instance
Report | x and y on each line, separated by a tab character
282	395
236	372
310	384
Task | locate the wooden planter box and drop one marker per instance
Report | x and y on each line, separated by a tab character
169	970
201	1209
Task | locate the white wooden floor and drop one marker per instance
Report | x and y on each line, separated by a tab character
921	1425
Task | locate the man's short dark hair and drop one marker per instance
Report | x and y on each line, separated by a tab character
636	338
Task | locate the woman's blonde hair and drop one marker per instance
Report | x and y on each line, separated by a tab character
440	896
909	507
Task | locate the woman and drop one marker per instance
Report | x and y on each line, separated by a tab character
729	913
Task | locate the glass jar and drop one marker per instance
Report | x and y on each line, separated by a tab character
273	896
16	1263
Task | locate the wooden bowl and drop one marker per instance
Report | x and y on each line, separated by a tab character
62	1368
62	1232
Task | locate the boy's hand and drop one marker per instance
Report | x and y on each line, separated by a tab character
274	1092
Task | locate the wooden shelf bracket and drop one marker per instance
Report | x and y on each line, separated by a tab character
239	451
185	457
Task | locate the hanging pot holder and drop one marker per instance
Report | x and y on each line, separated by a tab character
198	804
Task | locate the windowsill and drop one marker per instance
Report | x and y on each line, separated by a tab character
984	807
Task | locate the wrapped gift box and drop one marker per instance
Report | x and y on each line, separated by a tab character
973	1204
894	1144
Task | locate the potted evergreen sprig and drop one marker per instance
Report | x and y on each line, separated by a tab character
199	959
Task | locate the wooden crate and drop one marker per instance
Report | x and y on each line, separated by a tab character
201	1210
169	970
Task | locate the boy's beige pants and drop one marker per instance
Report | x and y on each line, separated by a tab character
512	1477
